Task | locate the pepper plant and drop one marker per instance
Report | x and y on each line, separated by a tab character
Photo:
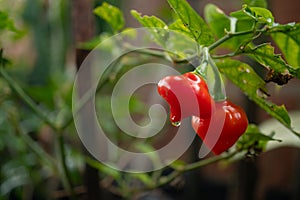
240	34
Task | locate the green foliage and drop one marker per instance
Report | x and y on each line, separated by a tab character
252	85
218	21
190	19
44	100
179	26
260	15
256	3
112	15
289	44
157	26
6	23
253	139
264	54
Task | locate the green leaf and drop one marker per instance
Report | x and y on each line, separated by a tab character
94	42
252	17
179	26
112	15
148	21
6	23
264	54
273	126
289	43
244	21
181	42
190	18
282	28
158	27
220	24
259	14
256	3
253	137
217	20
243	76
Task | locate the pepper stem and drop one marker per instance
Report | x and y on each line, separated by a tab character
209	71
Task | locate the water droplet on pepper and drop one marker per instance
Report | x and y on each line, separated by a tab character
176	124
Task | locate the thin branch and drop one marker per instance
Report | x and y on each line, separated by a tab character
61	150
227	37
33	146
193	166
66	178
208	161
30	103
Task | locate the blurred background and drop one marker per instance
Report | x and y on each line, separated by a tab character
45	54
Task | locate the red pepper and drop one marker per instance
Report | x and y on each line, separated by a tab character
186	95
227	123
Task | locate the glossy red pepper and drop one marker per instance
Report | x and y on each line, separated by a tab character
223	129
186	95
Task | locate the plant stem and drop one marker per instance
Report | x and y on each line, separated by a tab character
219	93
61	149
19	91
159	53
32	145
151	52
227	37
66	178
208	161
193	166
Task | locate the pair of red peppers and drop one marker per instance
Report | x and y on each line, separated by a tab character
218	123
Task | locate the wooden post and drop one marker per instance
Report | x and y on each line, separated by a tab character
84	30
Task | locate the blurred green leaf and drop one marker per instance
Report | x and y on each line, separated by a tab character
190	18
38	94
253	86
289	43
256	3
254	138
112	15
16	176
158	27
6	23
107	122
281	132
136	105
94	42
